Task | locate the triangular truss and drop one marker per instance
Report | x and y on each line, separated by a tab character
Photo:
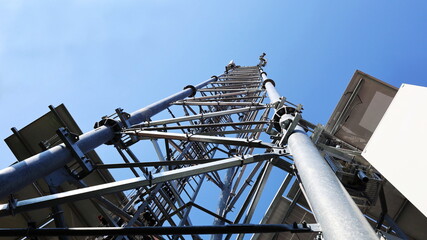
235	122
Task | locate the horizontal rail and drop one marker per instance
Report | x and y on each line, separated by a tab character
157	163
202	125
200	138
184	230
102	189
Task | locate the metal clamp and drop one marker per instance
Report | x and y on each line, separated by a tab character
124	116
289	128
268	80
318	131
124	119
270	130
109	122
279	113
193	89
281	103
70	139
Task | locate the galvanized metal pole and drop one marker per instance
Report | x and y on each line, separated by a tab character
269	86
334	209
19	175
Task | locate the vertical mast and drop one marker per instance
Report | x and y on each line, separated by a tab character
338	215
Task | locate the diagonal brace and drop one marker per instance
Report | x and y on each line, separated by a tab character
102	189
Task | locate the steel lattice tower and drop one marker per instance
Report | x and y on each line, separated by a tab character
236	122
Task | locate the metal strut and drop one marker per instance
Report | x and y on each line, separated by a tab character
183	230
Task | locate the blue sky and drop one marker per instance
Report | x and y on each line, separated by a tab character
95	56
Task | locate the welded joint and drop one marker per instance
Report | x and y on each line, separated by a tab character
242	157
58	213
70	139
188	136
150	179
249	182
11	204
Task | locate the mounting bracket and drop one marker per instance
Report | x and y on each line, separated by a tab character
70	139
289	128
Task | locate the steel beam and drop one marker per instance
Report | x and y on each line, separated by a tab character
232	124
234	132
184	230
274	203
102	189
247	183
276	199
199	116
228	90
256	197
224	95
185	218
200	138
218	103
155	164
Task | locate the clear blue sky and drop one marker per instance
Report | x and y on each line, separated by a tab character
95	56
